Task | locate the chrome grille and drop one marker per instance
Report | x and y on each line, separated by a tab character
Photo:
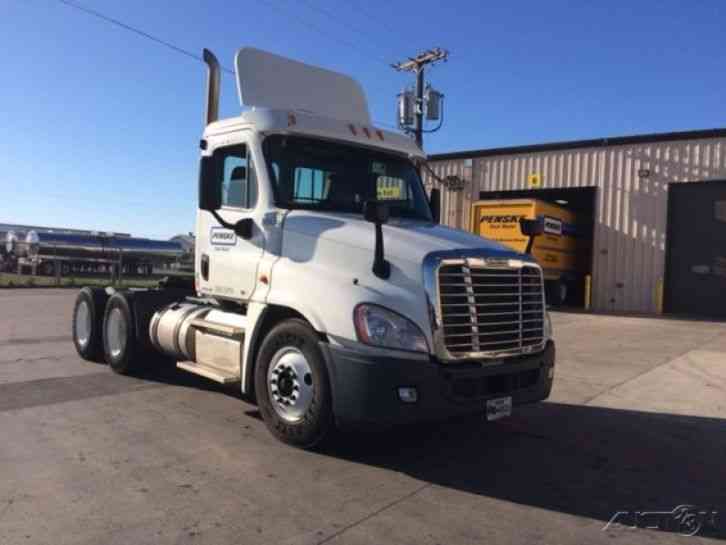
490	310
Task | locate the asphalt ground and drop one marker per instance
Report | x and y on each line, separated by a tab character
635	424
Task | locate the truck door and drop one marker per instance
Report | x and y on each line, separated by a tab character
227	262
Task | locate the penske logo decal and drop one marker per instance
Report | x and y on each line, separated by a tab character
219	236
501	219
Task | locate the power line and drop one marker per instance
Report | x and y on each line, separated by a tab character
367	14
135	30
333	17
326	33
168	44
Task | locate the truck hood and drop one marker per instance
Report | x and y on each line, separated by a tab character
406	240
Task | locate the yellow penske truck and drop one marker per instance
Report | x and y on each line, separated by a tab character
556	249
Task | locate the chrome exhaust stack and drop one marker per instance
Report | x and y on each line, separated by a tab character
213	75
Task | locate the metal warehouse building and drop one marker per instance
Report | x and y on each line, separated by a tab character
655	206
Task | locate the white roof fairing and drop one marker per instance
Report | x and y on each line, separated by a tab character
270	81
278	121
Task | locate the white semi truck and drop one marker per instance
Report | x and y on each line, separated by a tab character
324	284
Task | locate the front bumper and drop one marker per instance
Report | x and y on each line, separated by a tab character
365	388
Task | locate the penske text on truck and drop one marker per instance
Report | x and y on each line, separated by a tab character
324	285
556	249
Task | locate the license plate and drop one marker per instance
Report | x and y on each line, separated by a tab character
499	408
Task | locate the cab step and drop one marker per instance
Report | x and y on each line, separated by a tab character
218	375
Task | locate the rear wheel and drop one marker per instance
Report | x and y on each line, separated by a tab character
88	323
119	341
292	385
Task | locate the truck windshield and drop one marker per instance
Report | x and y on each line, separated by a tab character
320	175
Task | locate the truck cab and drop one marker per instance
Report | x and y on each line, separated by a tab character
324	284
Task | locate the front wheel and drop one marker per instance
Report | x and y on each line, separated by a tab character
292	385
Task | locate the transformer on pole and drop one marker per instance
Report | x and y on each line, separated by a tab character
431	105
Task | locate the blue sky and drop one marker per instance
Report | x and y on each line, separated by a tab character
100	127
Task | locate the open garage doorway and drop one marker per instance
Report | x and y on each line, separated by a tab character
695	280
565	249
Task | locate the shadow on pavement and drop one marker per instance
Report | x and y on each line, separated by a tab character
580	460
585	461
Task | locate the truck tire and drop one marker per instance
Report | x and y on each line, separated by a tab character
88	323
120	345
292	385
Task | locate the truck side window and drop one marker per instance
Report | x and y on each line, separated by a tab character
236	173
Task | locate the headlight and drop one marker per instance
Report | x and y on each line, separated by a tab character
548	333
378	326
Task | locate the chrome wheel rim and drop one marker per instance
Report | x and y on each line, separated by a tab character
83	324
290	384
116	332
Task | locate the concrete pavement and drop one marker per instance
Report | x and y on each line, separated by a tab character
635	422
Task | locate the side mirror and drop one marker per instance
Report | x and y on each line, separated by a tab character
210	192
435	204
376	212
531	229
243	228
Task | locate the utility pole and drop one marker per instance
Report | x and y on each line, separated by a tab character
416	65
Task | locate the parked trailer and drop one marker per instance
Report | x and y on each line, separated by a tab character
74	253
294	296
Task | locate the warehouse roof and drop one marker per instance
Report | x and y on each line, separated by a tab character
575	144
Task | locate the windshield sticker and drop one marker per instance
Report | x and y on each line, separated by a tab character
389	193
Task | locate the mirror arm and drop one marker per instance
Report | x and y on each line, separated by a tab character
242	228
224	223
530	243
381	267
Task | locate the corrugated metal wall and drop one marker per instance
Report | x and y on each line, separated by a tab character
631	211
